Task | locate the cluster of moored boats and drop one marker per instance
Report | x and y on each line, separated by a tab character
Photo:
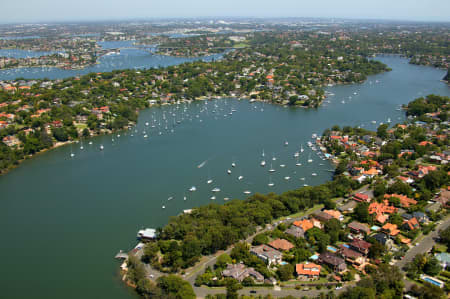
263	163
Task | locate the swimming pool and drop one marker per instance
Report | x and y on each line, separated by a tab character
432	280
332	249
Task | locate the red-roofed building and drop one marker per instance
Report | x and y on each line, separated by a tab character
405	179
361	197
307	271
391	229
335	214
11	141
281	244
424	170
411	224
304	224
371	172
381	209
425	143
57	124
404	200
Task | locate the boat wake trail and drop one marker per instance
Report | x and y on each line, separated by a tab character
202	164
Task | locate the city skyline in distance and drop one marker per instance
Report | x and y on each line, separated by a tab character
21	11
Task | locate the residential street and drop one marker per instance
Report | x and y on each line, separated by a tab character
423	246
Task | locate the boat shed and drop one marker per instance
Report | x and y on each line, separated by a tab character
147	234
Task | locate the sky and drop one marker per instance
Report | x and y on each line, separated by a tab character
85	10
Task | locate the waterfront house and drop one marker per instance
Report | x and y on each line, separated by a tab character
307	271
267	254
11	140
281	244
333	261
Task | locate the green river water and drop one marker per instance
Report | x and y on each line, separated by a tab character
63	219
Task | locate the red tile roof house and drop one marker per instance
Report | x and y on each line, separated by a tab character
361	197
411	224
307	271
406	180
360	246
405	201
281	244
380	209
336	263
57	123
424	170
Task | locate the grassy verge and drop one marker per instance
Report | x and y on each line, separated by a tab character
302	213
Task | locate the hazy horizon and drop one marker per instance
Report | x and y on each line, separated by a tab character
114	10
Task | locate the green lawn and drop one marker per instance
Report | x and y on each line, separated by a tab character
440	247
295	282
241	45
302	213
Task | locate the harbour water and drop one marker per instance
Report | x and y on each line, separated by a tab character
63	219
130	57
